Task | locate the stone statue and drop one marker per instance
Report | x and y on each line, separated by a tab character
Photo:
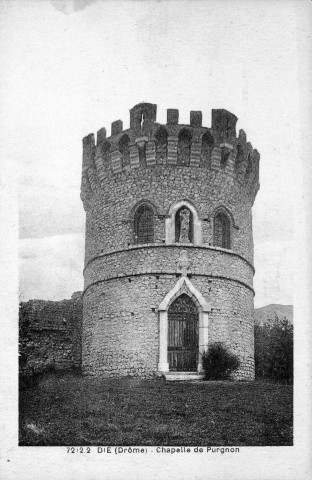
184	226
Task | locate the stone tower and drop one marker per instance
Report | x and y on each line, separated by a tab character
169	244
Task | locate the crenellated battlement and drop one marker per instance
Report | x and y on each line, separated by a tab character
148	144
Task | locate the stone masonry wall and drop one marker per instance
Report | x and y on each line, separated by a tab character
110	224
50	333
163	259
121	325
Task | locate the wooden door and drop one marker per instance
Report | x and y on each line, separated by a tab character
183	335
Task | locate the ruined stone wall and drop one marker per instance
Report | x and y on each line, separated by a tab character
126	282
50	334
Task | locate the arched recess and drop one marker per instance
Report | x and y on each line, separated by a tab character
124	148
183	286
161	137
222	231
184	226
105	150
142	219
206	149
194	222
184	147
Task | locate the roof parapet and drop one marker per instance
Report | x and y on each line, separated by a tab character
177	146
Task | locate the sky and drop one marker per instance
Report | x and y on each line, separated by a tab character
72	67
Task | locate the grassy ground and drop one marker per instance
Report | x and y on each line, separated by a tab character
70	410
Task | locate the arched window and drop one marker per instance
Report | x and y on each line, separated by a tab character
221	230
144	224
184	226
206	148
124	149
184	147
161	145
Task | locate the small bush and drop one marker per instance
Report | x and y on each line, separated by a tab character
219	363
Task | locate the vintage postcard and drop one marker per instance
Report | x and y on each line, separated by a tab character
155	223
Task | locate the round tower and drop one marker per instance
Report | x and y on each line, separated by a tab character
169	244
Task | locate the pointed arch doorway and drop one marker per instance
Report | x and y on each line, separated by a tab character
183	319
183	327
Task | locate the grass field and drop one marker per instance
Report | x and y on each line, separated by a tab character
71	410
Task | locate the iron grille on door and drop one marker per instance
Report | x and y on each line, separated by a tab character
183	335
144	225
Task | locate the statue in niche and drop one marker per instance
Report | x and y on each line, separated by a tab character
184	226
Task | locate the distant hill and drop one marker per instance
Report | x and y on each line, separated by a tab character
269	311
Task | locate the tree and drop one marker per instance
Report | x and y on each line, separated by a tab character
274	350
